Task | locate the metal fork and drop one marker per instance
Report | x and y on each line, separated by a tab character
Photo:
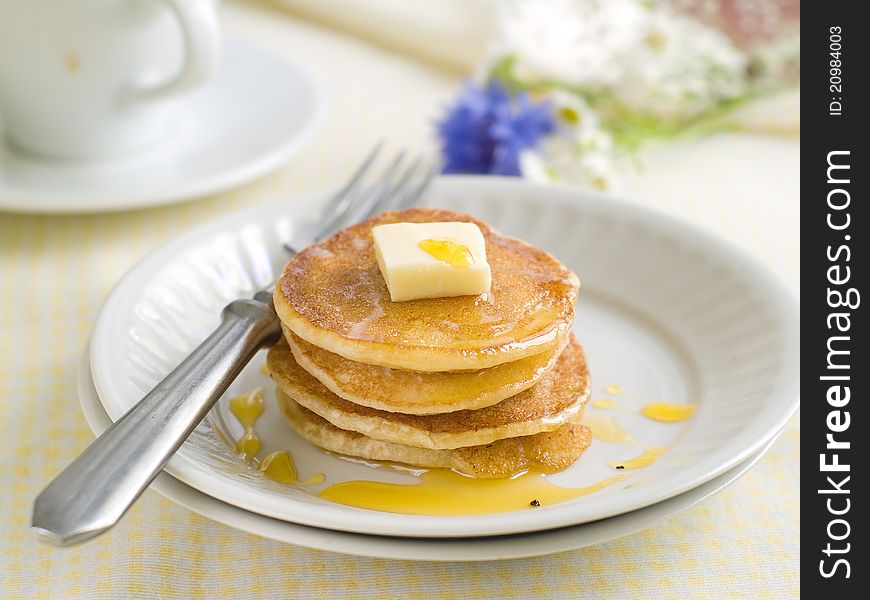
98	487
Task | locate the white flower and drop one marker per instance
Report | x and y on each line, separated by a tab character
579	123
558	162
581	42
682	68
534	168
618	55
593	171
778	62
579	152
649	57
572	111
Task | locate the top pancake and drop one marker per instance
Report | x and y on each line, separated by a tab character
332	294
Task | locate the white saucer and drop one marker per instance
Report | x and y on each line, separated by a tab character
666	311
396	548
257	112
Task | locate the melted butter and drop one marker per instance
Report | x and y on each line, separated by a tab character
247	408
614	389
279	467
604	403
265	370
639	462
456	255
607	429
442	492
667	412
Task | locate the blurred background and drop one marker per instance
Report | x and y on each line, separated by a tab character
691	107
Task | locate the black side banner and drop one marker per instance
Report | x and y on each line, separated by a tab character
834	229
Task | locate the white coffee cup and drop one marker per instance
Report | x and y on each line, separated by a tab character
92	78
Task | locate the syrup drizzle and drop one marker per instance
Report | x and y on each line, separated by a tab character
247	408
277	466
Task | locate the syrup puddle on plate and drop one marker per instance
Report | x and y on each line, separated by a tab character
607	429
664	412
638	462
279	467
605	403
441	492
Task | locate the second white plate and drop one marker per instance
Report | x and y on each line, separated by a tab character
667	312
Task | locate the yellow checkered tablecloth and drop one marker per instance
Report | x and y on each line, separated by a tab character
55	271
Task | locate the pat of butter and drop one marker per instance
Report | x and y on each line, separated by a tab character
432	260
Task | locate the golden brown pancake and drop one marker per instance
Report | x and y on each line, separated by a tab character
415	392
332	295
560	396
551	451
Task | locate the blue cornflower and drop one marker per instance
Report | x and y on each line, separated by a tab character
486	130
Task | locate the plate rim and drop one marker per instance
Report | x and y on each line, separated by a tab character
470	549
347	518
22	201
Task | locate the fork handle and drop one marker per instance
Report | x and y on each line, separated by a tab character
95	491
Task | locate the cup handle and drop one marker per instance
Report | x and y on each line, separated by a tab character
201	33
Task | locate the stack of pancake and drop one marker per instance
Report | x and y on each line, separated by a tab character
488	385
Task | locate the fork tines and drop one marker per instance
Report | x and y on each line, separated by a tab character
400	185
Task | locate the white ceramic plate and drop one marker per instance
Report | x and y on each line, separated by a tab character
252	117
466	549
666	311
